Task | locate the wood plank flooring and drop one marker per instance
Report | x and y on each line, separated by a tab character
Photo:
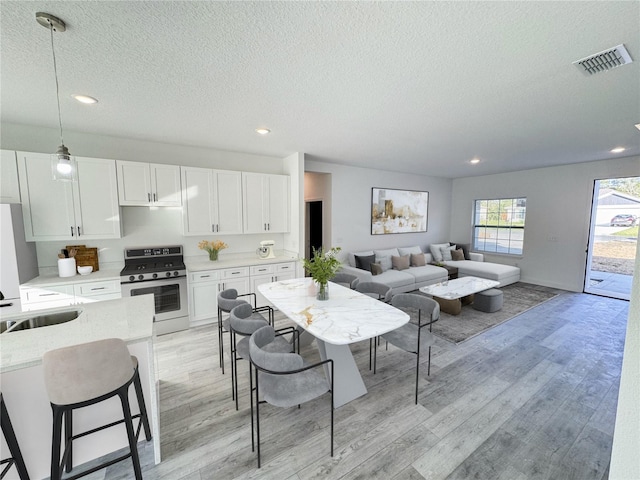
534	398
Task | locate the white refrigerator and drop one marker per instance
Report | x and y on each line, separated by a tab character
18	259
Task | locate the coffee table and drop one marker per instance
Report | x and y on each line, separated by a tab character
453	293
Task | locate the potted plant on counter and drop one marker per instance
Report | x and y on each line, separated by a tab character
322	267
213	247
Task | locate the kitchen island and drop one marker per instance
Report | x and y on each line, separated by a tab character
24	391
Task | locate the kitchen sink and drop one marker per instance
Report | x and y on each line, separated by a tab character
37	321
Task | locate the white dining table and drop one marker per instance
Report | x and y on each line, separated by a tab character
346	317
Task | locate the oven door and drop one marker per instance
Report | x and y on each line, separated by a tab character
170	298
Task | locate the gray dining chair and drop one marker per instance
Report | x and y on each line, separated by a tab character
243	321
379	291
345	279
227	300
283	380
411	337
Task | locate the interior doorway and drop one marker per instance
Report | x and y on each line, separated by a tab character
613	237
314	222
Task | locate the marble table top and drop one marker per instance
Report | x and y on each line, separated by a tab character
347	317
460	287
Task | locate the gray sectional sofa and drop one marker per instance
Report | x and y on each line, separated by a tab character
405	278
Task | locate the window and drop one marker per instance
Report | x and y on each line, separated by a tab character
498	225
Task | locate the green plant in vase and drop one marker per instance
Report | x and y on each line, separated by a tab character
322	267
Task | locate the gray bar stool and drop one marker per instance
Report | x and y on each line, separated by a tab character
14	449
87	374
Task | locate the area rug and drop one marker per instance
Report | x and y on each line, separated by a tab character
518	298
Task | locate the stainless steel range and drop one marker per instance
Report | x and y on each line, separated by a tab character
159	271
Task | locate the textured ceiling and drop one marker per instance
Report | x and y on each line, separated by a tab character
408	86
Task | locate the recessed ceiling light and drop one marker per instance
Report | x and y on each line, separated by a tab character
618	150
638	126
474	161
85	99
263	131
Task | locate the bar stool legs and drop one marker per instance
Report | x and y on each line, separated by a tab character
14	449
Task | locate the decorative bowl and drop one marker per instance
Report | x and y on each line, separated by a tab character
85	270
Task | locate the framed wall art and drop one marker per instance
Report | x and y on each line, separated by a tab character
398	211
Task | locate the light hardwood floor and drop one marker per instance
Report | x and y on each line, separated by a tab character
534	398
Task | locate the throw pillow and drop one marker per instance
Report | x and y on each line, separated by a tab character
457	254
417	260
364	262
376	268
385	262
465	249
446	252
351	256
435	251
400	263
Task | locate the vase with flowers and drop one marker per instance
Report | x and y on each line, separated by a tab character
322	267
213	247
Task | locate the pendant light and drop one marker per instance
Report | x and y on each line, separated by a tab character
63	165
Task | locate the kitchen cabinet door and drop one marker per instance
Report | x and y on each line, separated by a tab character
9	188
268	273
265	203
96	207
56	210
212	201
143	184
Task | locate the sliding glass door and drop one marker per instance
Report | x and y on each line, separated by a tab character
615	215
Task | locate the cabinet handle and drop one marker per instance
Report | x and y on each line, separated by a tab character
155	198
268	226
148	197
235	273
97	288
213	227
217	227
72	231
262	269
205	276
47	294
78	228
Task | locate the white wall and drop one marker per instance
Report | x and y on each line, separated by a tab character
558	216
145	226
351	206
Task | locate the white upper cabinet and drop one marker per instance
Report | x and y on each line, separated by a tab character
212	201
9	188
265	203
148	184
56	210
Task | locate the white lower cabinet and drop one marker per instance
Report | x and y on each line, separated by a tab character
274	272
204	287
68	294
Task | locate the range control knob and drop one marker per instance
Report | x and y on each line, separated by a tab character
175	274
155	275
132	278
168	274
140	277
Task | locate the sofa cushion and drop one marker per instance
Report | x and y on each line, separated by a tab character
418	260
446	252
389	252
427	273
364	262
400	262
435	251
457	254
395	278
351	257
409	250
488	270
385	262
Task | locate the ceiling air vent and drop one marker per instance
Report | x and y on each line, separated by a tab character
603	61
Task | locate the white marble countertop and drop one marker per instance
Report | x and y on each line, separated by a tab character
200	263
52	278
128	318
347	317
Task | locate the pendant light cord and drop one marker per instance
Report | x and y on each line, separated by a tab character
55	71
